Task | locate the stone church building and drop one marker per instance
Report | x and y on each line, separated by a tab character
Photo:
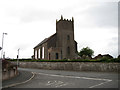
60	45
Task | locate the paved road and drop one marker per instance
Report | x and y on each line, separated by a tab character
69	79
23	76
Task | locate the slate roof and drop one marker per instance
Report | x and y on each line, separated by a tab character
101	56
45	40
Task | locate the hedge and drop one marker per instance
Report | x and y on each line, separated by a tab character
71	60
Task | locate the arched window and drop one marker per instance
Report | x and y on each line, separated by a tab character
68	37
39	54
57	56
68	50
61	54
49	56
35	54
43	51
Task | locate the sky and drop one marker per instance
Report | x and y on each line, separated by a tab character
28	22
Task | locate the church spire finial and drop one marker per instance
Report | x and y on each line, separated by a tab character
61	17
72	19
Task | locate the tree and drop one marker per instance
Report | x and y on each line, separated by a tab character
86	52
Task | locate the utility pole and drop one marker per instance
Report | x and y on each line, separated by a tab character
0	48
4	55
2	44
18	58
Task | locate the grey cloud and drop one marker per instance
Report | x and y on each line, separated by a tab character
113	42
22	46
105	15
113	46
31	14
102	14
36	15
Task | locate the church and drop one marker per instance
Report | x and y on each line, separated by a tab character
60	45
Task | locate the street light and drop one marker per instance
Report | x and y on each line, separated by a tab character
0	48
2	44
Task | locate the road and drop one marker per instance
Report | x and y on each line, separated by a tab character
68	79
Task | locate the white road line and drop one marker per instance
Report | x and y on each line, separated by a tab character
21	82
61	85
75	77
100	79
99	84
56	83
50	83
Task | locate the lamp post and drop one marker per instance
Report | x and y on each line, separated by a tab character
0	48
18	58
2	44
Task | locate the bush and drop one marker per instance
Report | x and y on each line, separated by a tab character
104	59
115	60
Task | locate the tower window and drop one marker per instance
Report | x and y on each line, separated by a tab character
68	50
68	37
61	54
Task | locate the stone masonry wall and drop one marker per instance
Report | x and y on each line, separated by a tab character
74	66
7	74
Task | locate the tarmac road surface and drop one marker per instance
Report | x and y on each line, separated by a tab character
39	78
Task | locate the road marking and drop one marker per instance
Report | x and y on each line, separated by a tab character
62	85
74	77
56	83
105	80
21	82
99	84
50	83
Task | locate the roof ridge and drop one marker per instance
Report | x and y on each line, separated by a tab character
45	40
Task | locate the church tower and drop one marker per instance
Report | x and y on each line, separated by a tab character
60	45
65	38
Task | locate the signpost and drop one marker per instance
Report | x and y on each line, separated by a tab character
18	58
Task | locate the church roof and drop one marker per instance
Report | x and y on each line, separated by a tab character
45	40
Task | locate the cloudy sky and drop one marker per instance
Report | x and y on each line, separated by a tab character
28	22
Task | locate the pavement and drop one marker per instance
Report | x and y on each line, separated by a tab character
63	79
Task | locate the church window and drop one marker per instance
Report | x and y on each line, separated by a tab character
35	54
68	37
61	54
49	56
42	52
56	55
68	50
39	54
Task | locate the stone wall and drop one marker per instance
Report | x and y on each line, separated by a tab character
75	66
9	73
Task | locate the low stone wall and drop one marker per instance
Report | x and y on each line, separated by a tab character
7	74
75	66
